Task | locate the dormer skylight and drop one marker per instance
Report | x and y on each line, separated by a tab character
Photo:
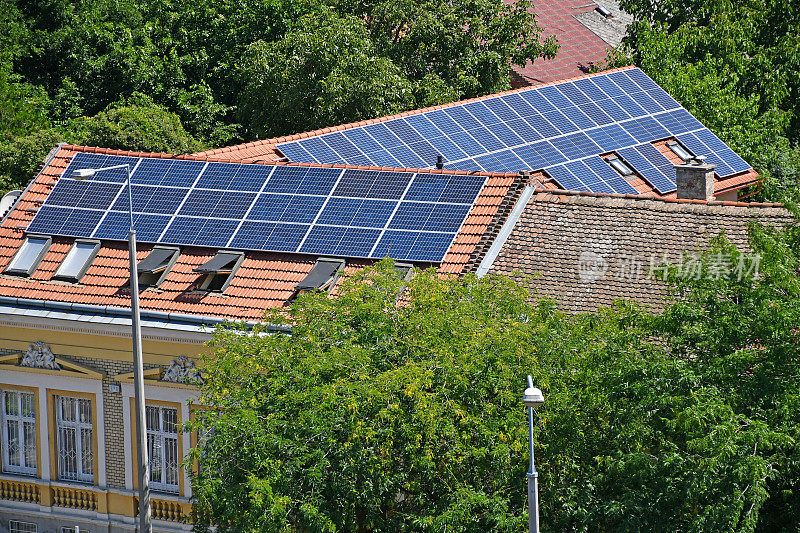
322	276
620	166
680	151
219	271
29	255
155	267
77	260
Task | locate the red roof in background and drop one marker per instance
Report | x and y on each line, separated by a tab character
579	48
264	279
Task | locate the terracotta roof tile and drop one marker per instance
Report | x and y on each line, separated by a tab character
263	280
557	227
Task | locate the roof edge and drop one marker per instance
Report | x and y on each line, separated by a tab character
350	125
641	198
191	157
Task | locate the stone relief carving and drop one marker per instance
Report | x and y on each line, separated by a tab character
39	356
181	370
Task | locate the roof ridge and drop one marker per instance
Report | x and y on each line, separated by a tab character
192	157
350	125
641	197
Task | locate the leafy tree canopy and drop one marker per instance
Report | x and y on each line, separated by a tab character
384	417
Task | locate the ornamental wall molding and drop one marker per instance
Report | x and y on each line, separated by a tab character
182	370
39	355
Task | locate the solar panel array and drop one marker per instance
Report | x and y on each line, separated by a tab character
561	129
321	211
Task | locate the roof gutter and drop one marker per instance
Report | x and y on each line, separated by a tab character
107	310
505	231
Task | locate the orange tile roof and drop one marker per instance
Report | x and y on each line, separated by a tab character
264	279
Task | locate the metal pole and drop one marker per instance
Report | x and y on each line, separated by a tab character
533	477
145	525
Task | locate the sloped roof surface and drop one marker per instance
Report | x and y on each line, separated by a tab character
586	250
585	37
264	280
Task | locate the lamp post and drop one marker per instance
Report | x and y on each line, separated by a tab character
532	397
145	525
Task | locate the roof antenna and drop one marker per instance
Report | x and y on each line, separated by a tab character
439	162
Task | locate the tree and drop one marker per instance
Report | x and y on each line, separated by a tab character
385	417
735	66
324	72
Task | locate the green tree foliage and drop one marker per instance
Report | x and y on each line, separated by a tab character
376	417
736	66
325	71
137	124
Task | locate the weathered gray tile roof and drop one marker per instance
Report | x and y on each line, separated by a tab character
586	251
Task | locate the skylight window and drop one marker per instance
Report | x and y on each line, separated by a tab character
219	271
403	270
77	260
620	166
680	151
28	256
322	276
155	267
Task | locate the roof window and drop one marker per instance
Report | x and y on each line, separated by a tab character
620	166
219	270
403	270
680	151
29	255
77	261
322	276
154	268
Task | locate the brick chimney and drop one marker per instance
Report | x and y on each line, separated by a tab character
695	179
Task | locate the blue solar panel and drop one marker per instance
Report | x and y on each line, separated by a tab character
566	179
660	178
295	152
181	173
296	209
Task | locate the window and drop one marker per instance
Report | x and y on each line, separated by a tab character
155	267
19	432
75	439
73	529
620	166
77	260
680	151
162	447
322	276
403	270
28	256
219	271
15	526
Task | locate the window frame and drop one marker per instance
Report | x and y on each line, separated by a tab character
208	278
89	260
16	526
329	283
13	469
180	448
162	435
677	147
27	273
629	171
162	275
55	437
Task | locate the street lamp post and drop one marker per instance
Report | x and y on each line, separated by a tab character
145	525
532	397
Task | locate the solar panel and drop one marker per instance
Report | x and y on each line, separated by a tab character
616	110
325	211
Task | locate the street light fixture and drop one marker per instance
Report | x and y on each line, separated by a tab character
532	397
145	525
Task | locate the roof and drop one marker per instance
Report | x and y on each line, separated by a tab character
584	35
264	280
587	250
267	151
